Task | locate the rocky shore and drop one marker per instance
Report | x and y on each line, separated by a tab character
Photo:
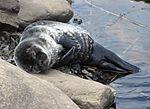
53	89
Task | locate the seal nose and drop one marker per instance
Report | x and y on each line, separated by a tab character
43	60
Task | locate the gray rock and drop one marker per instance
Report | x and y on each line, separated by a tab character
19	90
9	15
10	5
15	15
32	10
8	21
85	93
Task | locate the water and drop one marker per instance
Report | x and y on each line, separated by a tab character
124	27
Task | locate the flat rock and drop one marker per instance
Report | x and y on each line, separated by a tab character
20	90
85	93
32	10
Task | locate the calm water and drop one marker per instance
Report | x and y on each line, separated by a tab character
124	27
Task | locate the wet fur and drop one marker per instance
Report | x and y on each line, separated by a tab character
60	44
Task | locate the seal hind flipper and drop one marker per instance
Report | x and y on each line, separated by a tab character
108	66
120	63
107	61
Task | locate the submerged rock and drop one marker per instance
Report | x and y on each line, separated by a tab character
85	93
19	90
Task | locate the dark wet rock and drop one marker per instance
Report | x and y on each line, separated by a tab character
85	93
10	5
113	106
146	1
20	90
91	73
70	1
77	21
58	10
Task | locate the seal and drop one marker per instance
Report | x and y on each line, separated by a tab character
50	44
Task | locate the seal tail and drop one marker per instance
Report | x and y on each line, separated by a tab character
117	63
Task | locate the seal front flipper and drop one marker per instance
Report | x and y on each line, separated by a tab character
66	58
71	51
68	55
120	63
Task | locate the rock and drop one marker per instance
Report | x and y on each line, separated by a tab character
16	14
8	21
85	93
10	5
8	15
58	10
20	90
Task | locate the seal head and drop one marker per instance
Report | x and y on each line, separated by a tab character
31	57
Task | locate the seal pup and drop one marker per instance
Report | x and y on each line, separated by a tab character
50	44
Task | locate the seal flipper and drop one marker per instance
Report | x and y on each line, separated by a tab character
120	63
72	48
107	61
66	58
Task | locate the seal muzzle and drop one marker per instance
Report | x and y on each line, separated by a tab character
31	58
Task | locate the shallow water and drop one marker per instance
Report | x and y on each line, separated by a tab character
124	27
